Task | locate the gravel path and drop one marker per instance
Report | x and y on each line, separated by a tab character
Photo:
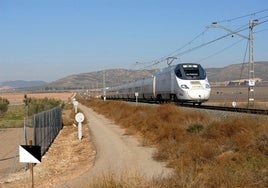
116	153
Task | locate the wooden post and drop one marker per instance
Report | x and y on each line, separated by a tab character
31	166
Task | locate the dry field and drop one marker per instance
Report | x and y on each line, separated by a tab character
225	96
17	98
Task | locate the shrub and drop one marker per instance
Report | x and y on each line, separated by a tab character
3	105
35	106
195	128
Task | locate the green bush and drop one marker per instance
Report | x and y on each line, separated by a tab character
195	128
3	105
35	106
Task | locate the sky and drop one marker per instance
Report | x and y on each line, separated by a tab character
51	39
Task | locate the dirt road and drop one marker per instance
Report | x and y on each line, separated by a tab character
117	153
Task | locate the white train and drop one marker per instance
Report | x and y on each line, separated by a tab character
184	83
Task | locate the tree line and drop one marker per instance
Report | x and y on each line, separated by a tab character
3	105
35	106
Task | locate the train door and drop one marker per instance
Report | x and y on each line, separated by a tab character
154	87
172	80
172	86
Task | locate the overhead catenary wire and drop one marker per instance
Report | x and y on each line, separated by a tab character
163	58
178	52
259	23
244	16
233	44
193	49
219	51
195	38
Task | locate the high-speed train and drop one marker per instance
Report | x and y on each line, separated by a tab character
184	83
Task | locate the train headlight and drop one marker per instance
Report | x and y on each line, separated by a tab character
183	86
207	86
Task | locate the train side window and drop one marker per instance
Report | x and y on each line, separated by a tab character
178	73
203	73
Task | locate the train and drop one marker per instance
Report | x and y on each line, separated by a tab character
183	83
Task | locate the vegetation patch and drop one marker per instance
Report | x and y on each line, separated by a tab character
3	105
15	114
35	106
14	117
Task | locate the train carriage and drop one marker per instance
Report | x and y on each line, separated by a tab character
185	83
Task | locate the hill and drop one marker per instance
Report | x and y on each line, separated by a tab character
118	76
20	84
237	72
113	77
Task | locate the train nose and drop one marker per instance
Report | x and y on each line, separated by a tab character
198	94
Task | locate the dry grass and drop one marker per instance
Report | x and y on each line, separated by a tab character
132	180
203	151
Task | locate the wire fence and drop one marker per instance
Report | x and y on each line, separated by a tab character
46	127
42	129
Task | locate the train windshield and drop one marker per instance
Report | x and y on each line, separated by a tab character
190	72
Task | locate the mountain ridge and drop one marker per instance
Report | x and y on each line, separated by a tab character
113	77
119	76
21	83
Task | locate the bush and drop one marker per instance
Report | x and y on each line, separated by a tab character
39	105
3	106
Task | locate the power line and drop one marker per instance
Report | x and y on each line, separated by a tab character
163	58
207	43
244	16
179	52
153	63
220	51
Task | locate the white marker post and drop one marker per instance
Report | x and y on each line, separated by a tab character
75	103
233	104
79	117
136	95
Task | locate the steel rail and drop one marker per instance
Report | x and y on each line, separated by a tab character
230	109
209	107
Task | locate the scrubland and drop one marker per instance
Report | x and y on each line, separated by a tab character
203	150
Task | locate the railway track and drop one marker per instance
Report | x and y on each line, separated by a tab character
220	108
229	109
209	107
